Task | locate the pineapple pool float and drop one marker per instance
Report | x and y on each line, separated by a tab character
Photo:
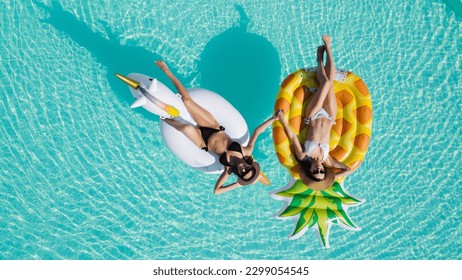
349	140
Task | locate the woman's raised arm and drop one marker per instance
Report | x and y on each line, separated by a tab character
299	151
259	130
220	187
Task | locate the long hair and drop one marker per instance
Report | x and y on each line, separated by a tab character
305	165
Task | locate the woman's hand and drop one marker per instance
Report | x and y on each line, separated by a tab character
277	114
161	64
222	189
259	130
280	115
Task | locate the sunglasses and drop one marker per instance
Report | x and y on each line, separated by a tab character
319	171
245	171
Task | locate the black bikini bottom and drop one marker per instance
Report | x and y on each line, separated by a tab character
206	132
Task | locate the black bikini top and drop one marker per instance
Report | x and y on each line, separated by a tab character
234	146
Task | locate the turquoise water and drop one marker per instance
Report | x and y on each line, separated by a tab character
83	176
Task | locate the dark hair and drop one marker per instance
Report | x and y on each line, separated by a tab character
306	167
248	159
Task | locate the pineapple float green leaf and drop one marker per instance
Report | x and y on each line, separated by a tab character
317	209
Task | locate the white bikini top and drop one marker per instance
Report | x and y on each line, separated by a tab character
310	145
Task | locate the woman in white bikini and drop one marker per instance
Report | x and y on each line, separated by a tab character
313	157
210	136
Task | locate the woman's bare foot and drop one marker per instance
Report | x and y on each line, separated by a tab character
161	64
320	53
330	68
327	41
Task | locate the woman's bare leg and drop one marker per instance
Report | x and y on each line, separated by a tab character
200	115
321	74
321	93
330	104
193	133
330	68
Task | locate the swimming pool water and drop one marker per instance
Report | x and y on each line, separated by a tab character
83	176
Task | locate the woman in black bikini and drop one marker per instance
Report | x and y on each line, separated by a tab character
210	136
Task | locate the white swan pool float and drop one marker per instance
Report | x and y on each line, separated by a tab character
158	99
